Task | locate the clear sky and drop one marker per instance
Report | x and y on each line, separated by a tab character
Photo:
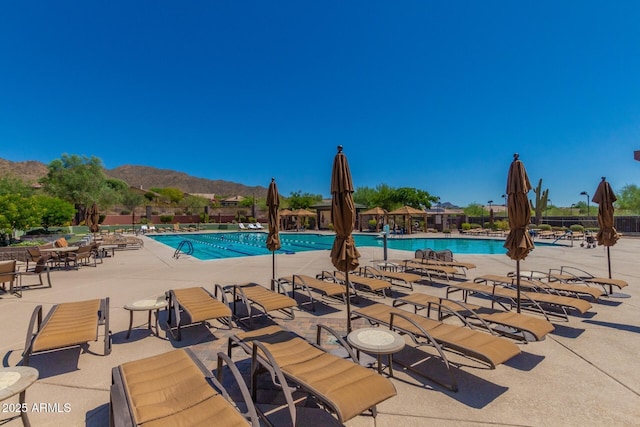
427	94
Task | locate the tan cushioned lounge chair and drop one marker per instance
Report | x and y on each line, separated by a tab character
194	305
477	345
308	283
518	326
174	389
345	387
66	325
372	284
553	285
255	295
397	278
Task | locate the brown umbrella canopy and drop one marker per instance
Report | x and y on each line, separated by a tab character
604	197
519	242
273	203
93	219
344	254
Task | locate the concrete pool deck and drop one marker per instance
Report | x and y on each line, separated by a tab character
585	373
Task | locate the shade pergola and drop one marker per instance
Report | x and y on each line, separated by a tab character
408	211
301	213
377	212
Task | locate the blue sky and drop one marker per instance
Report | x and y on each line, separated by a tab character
425	94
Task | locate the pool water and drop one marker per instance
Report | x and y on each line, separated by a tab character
239	244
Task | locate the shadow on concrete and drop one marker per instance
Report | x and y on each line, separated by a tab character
619	326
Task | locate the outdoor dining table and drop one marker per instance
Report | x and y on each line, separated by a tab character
62	253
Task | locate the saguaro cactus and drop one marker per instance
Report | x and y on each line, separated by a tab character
541	202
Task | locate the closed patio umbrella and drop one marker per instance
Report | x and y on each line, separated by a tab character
344	254
607	235
518	242
93	219
273	238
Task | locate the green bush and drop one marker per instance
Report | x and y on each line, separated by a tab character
474	225
544	227
465	226
125	212
446	231
166	219
577	228
501	225
331	226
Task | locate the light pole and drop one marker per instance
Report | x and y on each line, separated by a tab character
573	205
490	203
546	210
506	209
584	193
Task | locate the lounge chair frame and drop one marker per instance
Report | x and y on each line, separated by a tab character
327	288
121	413
262	360
263	302
371	284
400	279
37	323
574	274
183	318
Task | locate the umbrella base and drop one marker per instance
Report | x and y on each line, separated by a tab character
617	295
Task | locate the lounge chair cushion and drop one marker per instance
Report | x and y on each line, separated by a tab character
268	299
69	324
170	390
199	304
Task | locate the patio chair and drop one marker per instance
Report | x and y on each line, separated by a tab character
241	226
343	386
480	346
40	268
195	305
255	295
176	389
67	324
259	226
82	257
329	288
498	322
9	274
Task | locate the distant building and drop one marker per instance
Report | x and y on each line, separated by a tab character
232	201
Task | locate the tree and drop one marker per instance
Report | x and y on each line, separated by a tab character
77	180
299	200
10	184
408	196
194	204
131	200
53	212
629	198
474	210
171	194
365	196
17	213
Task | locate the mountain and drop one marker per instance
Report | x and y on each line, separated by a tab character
144	176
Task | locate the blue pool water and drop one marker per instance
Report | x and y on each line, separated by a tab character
230	245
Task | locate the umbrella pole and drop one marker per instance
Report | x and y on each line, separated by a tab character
273	269
518	287
346	275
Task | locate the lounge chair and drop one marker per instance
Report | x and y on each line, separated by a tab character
67	325
259	226
428	270
307	283
252	226
242	227
344	387
573	274
397	278
372	284
498	322
194	305
175	389
480	346
554	285
502	287
255	295
9	274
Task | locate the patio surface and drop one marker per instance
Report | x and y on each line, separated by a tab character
586	373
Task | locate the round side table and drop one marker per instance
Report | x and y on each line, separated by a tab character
377	341
146	305
16	380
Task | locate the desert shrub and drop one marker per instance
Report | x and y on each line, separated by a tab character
125	212
501	225
166	219
465	226
544	227
474	225
577	228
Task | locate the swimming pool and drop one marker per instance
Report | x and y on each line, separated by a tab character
239	244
